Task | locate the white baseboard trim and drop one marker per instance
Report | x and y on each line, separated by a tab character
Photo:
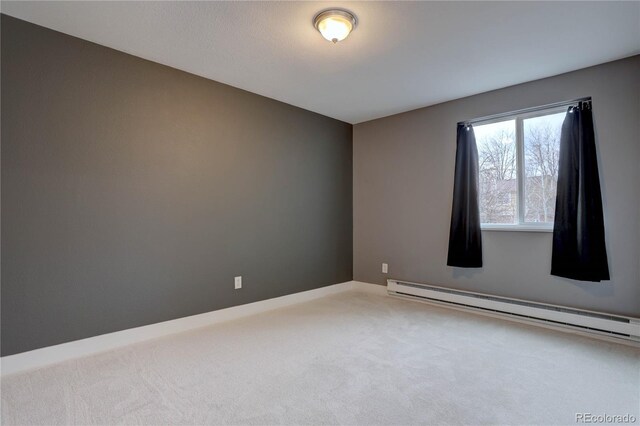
38	358
369	288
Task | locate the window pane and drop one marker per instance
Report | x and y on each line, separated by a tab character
498	182
541	148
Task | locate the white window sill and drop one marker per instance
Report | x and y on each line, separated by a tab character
516	228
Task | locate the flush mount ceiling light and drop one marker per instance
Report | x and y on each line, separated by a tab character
335	24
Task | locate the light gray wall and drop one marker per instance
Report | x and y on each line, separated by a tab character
133	193
403	182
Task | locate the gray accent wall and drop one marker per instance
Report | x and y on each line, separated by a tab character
403	183
133	193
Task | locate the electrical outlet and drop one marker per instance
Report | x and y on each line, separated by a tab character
385	268
238	282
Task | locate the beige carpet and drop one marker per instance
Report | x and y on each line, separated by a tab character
352	358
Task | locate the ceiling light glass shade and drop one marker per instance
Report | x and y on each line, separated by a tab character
335	24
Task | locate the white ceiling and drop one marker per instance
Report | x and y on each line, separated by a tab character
402	55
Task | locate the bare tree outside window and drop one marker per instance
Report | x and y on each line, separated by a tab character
502	174
497	172
541	150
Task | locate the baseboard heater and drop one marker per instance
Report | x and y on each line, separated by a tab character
611	327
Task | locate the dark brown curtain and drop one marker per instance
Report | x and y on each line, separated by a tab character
465	240
579	250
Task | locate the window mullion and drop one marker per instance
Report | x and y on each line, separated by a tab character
521	175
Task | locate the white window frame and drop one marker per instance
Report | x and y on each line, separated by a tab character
519	118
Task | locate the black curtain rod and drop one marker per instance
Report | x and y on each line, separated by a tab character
573	102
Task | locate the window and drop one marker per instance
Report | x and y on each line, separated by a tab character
518	170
